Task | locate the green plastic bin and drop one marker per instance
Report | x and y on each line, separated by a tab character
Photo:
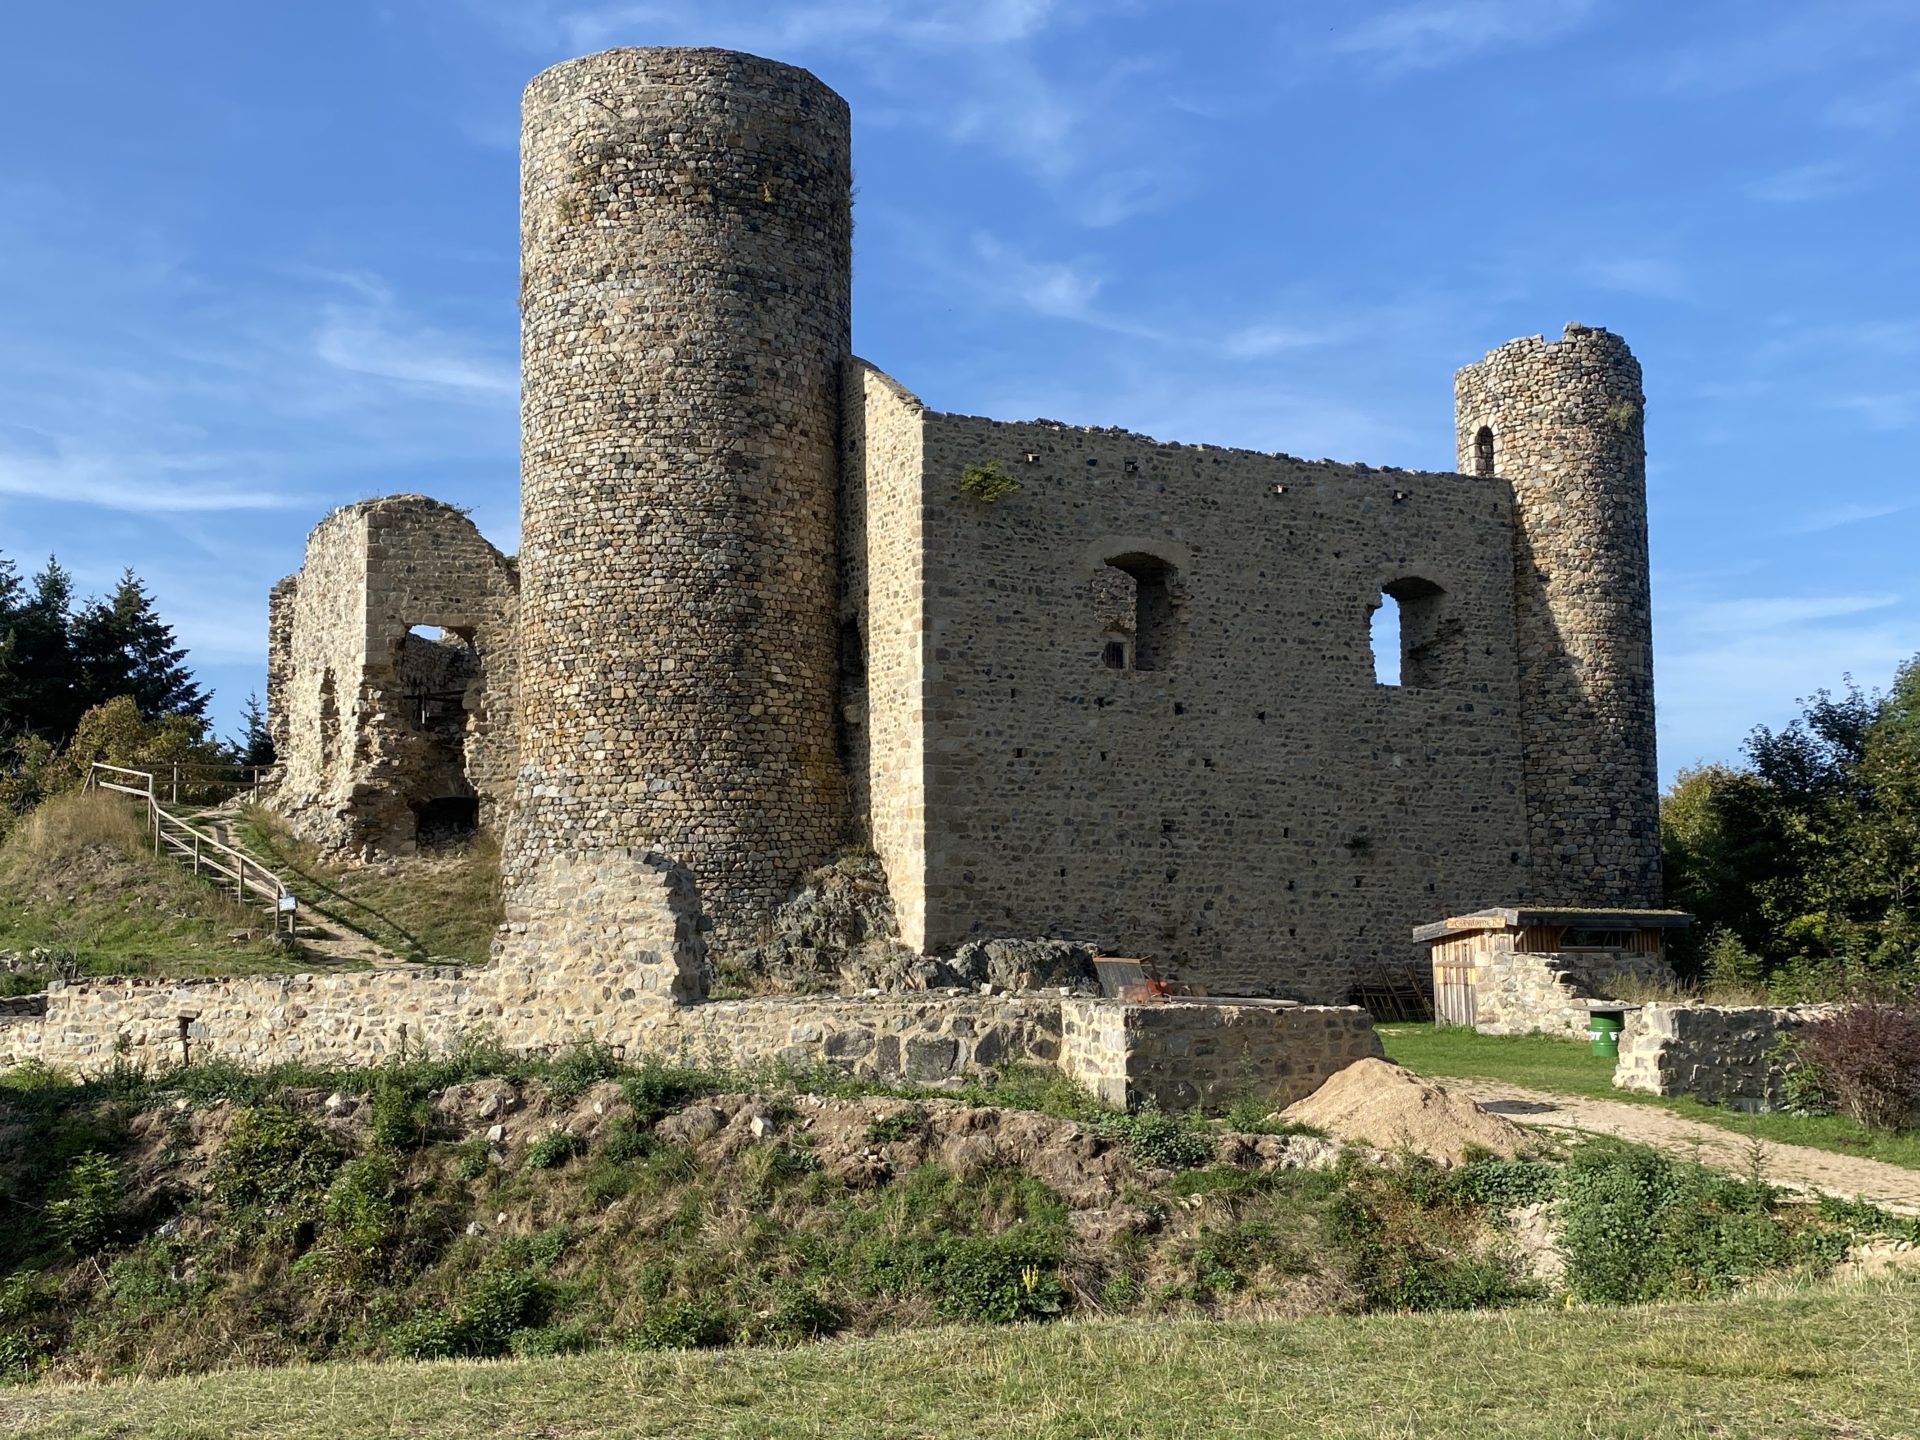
1603	1035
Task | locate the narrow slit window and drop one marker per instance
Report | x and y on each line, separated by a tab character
1483	451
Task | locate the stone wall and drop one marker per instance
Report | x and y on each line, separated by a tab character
686	232
1180	1054
622	965
1255	810
376	726
883	649
1521	983
1564	422
1721	1055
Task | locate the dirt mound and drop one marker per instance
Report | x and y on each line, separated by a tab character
1376	1103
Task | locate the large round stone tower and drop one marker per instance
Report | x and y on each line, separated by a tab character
686	239
1563	421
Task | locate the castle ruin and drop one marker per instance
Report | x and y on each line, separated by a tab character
767	607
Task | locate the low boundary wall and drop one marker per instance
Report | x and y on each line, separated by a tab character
624	969
1719	1054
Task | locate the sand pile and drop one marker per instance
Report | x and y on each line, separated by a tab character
1372	1102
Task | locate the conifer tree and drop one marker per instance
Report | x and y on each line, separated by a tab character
43	697
254	744
123	647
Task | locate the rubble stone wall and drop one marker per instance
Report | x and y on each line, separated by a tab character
1521	991
883	649
380	722
686	234
1255	810
1565	421
1722	1055
1183	1054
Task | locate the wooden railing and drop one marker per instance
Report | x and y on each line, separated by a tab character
191	845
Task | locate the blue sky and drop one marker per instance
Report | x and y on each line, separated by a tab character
258	260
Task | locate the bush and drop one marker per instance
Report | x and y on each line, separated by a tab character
1398	1267
402	1117
552	1149
362	1206
1637	1226
570	1076
683	1325
82	1215
1864	1060
498	1302
657	1089
1167	1142
274	1160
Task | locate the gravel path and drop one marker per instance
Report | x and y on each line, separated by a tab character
1795	1167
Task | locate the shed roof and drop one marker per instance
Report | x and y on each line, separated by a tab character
1513	917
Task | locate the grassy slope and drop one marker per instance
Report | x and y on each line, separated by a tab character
78	878
444	904
1542	1062
1828	1361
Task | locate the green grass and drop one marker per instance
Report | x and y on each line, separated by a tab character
443	904
1825	1361
1565	1067
78	879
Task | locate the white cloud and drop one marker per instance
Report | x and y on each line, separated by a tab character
1432	34
1746	616
141	483
1851	514
368	341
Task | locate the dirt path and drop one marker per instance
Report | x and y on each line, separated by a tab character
1796	1167
325	940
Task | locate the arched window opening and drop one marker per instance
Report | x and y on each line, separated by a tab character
1133	598
1417	641
1483	451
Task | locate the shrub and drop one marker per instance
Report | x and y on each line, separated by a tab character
1397	1266
987	483
402	1117
570	1076
657	1089
998	1278
552	1149
82	1215
627	1141
273	1160
1637	1225
362	1206
1167	1142
1864	1060
472	1159
498	1302
549	1340
802	1314
683	1325
901	1125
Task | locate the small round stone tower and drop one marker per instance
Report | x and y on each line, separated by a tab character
686	236
1563	422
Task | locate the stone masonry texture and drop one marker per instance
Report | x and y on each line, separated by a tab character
1567	424
1719	1054
1131	703
373	723
686	231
